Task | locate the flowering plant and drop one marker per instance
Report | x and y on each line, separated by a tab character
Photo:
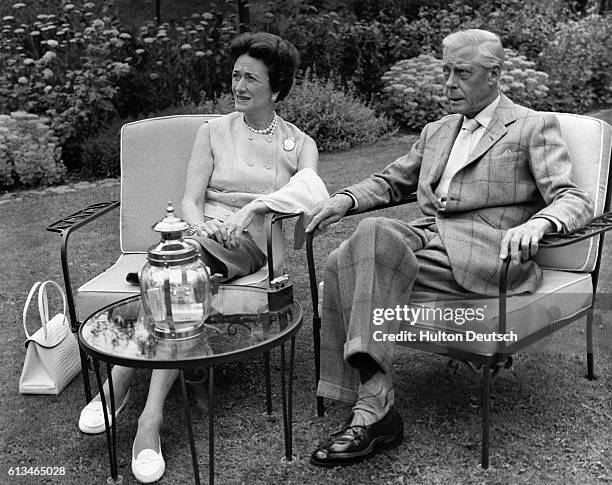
29	151
80	68
64	67
414	88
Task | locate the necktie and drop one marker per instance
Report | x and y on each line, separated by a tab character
458	156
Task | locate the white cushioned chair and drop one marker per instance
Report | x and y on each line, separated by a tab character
566	293
155	154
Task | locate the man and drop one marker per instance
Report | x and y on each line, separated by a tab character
491	179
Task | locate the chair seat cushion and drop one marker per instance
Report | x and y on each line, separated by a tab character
588	141
111	286
472	325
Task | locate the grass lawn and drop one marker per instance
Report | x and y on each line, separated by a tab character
549	424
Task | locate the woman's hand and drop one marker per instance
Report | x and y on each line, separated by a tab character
241	220
213	229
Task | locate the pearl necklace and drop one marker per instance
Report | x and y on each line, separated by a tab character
266	131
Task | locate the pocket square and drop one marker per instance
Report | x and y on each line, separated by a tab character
507	152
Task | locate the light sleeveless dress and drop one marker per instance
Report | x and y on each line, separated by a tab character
246	166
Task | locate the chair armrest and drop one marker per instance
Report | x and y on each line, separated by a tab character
82	217
270	219
65	227
280	290
597	226
406	200
279	216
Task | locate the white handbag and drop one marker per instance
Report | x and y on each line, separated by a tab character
52	352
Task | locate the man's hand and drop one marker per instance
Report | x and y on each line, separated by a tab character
328	212
522	242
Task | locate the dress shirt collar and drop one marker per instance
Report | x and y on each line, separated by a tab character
485	116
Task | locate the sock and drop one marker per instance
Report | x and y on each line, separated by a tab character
376	397
366	365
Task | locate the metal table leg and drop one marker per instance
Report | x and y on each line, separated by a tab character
268	384
111	430
287	399
85	372
211	426
194	457
486	399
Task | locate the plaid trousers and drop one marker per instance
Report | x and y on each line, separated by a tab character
383	264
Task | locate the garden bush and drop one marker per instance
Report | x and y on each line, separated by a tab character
29	151
335	119
80	68
100	152
523	25
80	65
413	92
177	64
356	53
414	88
64	67
578	60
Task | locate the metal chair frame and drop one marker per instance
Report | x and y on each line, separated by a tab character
490	364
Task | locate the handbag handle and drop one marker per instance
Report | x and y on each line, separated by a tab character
43	304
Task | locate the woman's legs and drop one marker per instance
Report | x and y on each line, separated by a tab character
147	436
122	379
91	420
231	263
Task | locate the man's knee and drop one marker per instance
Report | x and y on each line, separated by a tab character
363	240
368	227
332	261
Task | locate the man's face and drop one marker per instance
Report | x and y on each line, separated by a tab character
469	87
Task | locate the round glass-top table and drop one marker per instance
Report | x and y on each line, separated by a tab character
119	334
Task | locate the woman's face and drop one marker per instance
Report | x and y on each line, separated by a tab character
251	85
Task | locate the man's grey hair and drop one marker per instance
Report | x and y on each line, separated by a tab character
490	48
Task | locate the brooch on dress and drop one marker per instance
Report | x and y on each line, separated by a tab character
289	144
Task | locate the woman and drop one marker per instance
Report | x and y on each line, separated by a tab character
242	165
240	160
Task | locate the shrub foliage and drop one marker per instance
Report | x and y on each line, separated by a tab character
82	67
414	88
578	60
336	120
29	152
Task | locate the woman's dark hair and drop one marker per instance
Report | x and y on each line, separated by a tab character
280	57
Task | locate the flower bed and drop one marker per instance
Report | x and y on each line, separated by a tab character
82	67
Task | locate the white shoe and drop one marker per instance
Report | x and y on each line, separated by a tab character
91	420
148	466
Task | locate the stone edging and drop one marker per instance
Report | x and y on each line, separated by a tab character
58	189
